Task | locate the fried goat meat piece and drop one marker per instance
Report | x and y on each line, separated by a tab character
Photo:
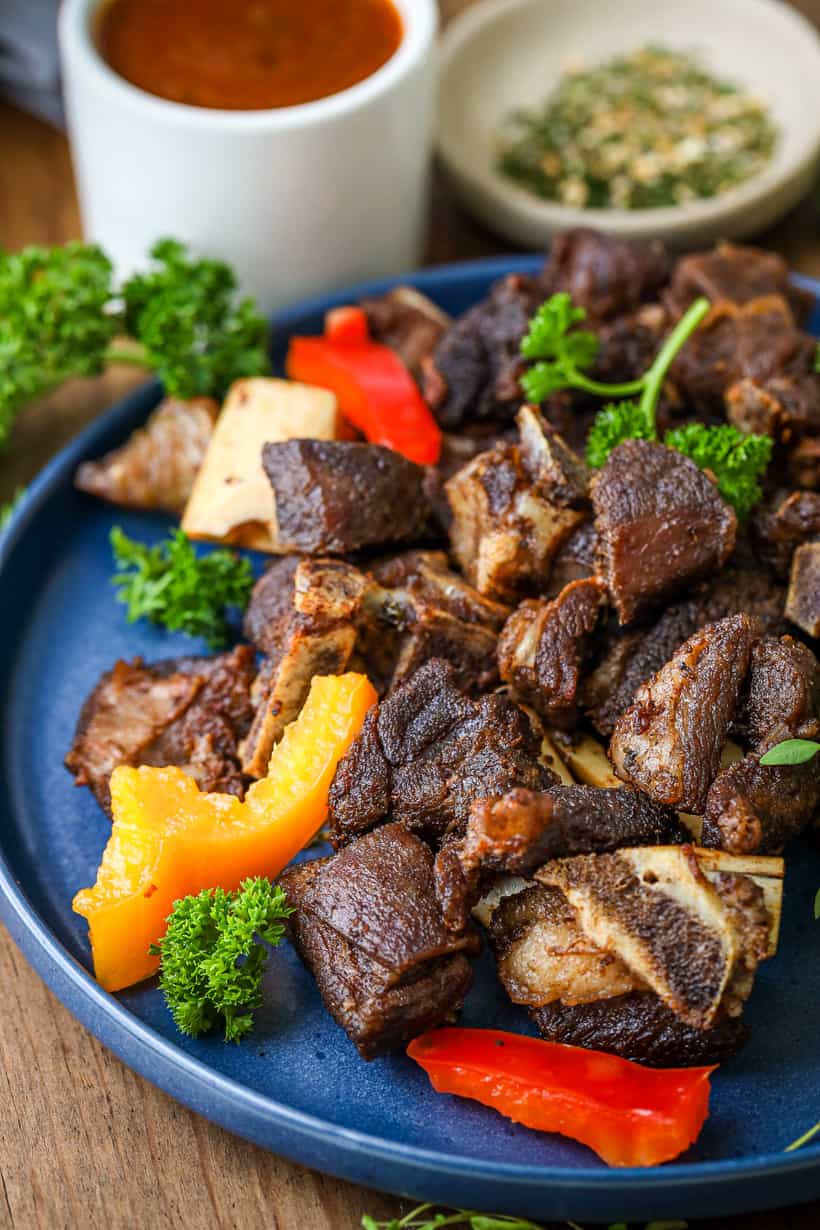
543	647
368	926
594	965
157	465
513	507
803	600
313	612
628	657
338	496
661	525
757	809
416	608
668	742
426	753
190	712
523	829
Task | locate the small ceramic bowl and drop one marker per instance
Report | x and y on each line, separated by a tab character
299	200
506	54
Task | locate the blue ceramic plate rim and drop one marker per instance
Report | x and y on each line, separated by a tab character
411	1170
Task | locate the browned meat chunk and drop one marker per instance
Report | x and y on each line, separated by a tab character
639	1026
523	829
190	712
271	600
157	465
629	657
783	694
757	809
368	925
606	276
543	646
695	942
314	634
784	406
473	375
513	507
426	753
803	601
416	609
574	560
408	322
733	273
757	341
669	740
803	463
780	526
596	949
661	525
336	496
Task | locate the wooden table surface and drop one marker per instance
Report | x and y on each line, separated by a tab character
85	1143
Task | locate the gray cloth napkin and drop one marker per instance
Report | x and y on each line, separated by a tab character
29	63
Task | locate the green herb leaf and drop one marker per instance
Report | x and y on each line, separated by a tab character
54	321
193	332
170	584
738	460
213	954
791	751
623	420
817	905
562	353
7	510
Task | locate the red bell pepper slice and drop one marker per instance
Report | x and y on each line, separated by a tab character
374	389
630	1115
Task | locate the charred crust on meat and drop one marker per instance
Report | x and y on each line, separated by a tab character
368	925
661	525
426	752
668	742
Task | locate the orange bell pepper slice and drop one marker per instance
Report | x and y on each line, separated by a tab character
170	839
630	1115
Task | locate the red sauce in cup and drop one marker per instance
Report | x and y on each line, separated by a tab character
247	55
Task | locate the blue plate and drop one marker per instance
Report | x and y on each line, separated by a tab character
297	1085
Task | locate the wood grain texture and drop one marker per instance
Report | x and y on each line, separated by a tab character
85	1144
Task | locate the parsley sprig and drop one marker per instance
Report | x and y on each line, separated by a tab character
425	1217
737	459
170	584
54	321
213	955
61	316
560	352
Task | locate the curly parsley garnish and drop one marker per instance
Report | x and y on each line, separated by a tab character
737	459
53	321
170	584
60	316
561	351
213	955
191	331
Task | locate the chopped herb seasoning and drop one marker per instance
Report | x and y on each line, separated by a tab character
642	131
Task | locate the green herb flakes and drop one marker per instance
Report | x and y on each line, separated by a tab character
642	131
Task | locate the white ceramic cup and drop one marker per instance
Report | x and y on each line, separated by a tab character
299	200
